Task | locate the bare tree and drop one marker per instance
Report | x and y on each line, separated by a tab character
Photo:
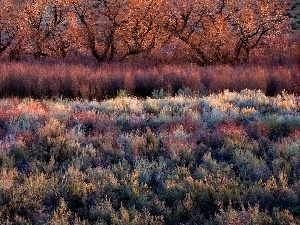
225	30
47	27
9	25
100	21
142	31
252	21
35	27
186	22
59	27
212	32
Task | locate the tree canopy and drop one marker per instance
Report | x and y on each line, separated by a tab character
206	32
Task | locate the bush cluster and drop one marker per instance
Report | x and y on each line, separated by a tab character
227	158
68	80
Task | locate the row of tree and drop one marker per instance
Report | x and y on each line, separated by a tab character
209	31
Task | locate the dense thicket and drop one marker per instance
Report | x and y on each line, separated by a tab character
44	79
228	158
204	31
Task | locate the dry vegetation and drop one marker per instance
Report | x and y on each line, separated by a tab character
153	112
220	159
202	31
95	49
47	80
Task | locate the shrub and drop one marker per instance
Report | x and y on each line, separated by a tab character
250	167
251	215
156	161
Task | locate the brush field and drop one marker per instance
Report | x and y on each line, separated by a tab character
232	157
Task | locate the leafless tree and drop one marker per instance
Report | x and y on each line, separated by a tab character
142	31
9	25
100	21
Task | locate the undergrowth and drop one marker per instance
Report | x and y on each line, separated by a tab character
224	158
